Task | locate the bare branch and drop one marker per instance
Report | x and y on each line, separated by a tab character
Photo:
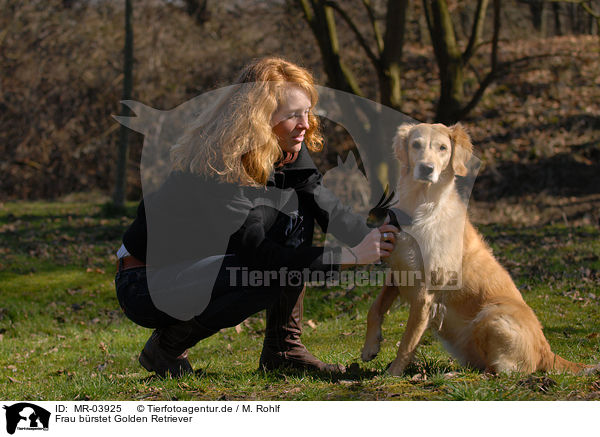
494	72
478	23
586	6
376	31
496	35
502	69
361	40
489	79
307	12
428	16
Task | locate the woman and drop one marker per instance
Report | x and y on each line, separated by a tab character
243	197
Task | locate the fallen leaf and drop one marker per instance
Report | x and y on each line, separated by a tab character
419	377
312	324
538	383
11	379
238	328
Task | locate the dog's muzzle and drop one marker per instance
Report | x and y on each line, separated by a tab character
425	172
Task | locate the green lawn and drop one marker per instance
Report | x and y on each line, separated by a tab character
63	337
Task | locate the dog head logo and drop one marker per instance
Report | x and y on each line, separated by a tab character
193	128
349	183
26	416
167	132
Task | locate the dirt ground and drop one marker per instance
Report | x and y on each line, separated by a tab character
538	209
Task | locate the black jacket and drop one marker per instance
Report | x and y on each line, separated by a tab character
190	218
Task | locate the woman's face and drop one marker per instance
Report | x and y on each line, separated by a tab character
290	119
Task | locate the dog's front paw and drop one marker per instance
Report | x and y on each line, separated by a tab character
396	368
371	348
369	352
395	371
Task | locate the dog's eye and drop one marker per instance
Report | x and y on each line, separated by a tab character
442	148
416	145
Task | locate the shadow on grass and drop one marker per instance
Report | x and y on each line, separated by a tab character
198	373
558	175
350	375
568	331
101	211
36	234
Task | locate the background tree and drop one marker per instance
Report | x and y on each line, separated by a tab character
536	9
198	9
453	104
568	16
385	55
584	15
121	179
386	58
320	17
62	80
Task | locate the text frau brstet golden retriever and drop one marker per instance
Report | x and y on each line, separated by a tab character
467	298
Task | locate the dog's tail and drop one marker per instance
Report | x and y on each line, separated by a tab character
557	363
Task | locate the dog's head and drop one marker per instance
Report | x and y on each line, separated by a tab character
430	150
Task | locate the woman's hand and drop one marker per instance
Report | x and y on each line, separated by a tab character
388	237
377	244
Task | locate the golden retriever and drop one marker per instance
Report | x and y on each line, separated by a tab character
468	299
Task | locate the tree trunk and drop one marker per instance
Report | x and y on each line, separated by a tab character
390	85
198	9
391	59
452	105
449	60
536	7
322	22
121	180
557	23
386	60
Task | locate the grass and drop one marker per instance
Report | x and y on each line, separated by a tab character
63	337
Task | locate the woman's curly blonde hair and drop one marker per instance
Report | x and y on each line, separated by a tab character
234	140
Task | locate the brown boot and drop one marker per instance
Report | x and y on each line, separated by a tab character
282	347
166	352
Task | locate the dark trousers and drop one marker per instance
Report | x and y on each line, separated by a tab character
228	306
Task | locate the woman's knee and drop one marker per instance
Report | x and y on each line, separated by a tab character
135	300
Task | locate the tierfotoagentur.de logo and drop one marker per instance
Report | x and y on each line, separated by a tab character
26	417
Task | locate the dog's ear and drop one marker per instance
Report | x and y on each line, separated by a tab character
462	149
400	147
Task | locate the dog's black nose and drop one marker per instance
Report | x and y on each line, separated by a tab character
426	169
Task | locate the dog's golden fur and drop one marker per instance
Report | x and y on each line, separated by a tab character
484	322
